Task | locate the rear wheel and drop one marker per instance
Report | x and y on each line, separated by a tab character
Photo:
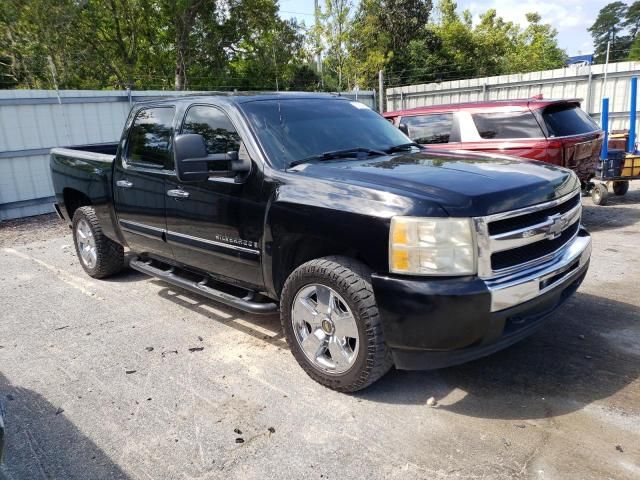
331	322
621	187
599	194
99	256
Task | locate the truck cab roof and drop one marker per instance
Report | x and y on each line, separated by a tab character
239	97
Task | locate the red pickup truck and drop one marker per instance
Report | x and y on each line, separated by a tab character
553	131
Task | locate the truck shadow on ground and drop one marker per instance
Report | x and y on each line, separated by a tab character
41	443
266	328
588	350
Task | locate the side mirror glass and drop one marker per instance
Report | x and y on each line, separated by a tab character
404	128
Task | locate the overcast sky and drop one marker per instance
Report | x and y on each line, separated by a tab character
570	17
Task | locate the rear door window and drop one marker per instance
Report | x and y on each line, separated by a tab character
565	120
435	128
149	143
504	125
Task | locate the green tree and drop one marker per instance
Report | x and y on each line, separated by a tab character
609	26
632	19
148	44
114	37
536	48
385	33
369	44
336	29
634	51
493	46
181	16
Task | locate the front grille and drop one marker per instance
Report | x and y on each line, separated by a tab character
528	219
527	253
511	242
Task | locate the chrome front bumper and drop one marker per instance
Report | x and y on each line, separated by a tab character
511	290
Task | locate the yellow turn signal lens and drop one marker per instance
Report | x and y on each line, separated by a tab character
400	234
400	260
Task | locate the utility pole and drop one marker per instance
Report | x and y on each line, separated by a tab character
54	76
606	66
381	88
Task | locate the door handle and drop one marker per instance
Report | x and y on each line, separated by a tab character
124	184
177	193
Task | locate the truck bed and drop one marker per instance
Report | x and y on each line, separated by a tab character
84	172
98	152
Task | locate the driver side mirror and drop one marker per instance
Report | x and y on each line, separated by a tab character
193	162
404	128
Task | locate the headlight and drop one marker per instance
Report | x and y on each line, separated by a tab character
432	246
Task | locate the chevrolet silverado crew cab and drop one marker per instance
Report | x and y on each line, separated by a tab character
376	251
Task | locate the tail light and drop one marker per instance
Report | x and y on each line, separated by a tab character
555	152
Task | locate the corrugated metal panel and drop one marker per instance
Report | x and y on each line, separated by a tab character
34	121
571	82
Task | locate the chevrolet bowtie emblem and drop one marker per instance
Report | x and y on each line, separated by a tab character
557	226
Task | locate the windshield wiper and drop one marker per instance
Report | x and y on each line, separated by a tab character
333	154
402	147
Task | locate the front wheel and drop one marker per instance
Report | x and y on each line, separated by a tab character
99	255
331	322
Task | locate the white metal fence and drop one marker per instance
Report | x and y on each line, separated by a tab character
585	82
34	121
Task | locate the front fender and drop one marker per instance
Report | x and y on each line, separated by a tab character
352	217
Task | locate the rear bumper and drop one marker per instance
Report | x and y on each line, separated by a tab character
437	323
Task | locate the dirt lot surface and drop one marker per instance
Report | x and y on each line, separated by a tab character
132	379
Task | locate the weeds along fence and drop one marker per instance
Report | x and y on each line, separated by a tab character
34	121
584	82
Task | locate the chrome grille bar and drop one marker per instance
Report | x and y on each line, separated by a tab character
552	227
539	231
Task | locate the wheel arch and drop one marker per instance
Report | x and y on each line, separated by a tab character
74	199
299	249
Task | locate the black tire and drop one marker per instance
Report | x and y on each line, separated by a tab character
109	254
621	187
599	194
352	281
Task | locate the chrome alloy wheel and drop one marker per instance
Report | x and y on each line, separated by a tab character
325	328
86	244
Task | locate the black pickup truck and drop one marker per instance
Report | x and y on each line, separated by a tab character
375	251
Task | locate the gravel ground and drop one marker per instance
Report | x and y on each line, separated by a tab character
130	378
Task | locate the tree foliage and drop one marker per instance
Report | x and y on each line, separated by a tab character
619	24
161	44
455	46
245	44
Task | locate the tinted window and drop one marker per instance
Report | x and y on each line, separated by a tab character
216	128
434	128
502	125
150	137
293	129
564	120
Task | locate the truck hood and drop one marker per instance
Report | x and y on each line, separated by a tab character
462	183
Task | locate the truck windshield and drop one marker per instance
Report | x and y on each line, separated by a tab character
294	129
